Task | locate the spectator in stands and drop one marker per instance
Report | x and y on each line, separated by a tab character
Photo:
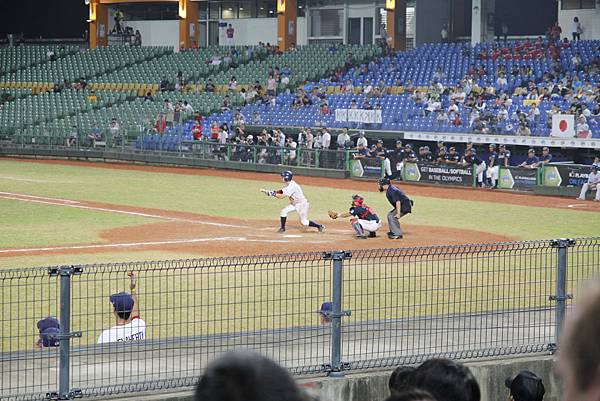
271	85
446	380
523	130
531	161
362	140
444	34
164	84
73	136
343	139
556	32
229	33
226	105
233	84
243	375
177	113
115	131
582	128
361	152
579	355
148	97
197	131
525	386
239	120
187	108
138	38
209	86
94	136
126	310
576	29
161	124
48	328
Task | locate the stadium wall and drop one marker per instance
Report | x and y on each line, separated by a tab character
373	386
246	32
158	33
589	18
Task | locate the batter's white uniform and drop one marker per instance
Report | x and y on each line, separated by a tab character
369	225
297	202
592	183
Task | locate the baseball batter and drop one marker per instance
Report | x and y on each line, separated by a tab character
298	202
362	218
593	183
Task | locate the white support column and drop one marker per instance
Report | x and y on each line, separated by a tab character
476	21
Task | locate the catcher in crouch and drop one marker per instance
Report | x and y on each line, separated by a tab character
362	218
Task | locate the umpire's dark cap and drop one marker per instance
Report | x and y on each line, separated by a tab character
526	386
384	181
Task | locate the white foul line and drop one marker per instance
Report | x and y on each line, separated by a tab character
138	244
75	204
4	177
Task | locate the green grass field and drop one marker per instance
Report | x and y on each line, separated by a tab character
206	295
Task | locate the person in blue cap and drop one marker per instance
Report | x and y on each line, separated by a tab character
125	308
49	328
326	309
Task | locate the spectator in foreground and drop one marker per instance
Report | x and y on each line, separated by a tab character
399	379
579	349
526	386
412	395
246	376
48	327
446	380
125	308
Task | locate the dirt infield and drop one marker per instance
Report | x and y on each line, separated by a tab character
191	233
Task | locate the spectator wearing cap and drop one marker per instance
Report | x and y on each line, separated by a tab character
452	157
49	327
480	165
325	311
503	156
125	308
409	154
531	161
379	151
526	386
546	156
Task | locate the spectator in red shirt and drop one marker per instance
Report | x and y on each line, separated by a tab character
230	32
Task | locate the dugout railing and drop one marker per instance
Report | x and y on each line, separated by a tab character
389	307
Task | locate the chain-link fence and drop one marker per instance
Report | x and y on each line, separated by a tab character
315	313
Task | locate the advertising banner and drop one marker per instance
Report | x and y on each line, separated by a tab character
439	173
368	167
565	175
517	178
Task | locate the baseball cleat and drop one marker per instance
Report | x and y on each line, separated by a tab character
281	230
373	234
321	228
393	236
579	199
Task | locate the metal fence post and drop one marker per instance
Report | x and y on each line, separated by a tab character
561	295
65	335
335	369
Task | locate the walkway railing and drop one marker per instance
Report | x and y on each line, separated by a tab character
383	308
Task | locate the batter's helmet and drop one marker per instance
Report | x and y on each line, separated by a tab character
287	175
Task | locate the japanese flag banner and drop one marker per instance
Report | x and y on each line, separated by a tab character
563	126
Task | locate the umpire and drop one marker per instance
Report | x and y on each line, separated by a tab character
401	203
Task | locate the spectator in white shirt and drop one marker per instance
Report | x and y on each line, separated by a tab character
325	139
362	141
343	138
502	114
125	308
368	87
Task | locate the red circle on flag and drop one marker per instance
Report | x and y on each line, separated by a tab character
563	125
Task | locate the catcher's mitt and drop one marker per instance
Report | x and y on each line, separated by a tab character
332	214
